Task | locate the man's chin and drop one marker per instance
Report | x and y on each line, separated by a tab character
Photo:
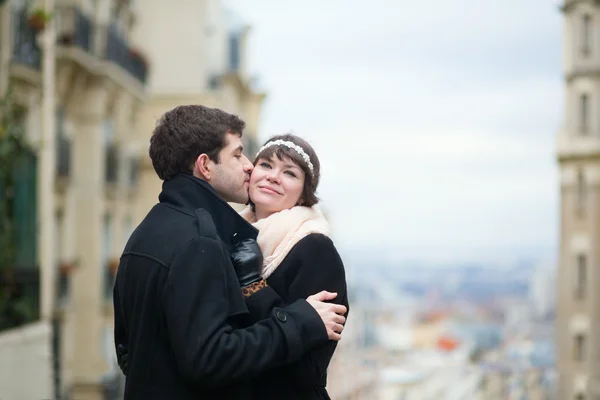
242	199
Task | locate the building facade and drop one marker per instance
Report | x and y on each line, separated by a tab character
119	65
200	60
99	85
578	153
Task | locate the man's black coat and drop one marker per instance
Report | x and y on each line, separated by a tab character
179	309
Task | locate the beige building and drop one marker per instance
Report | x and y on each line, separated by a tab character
98	89
201	59
578	151
118	66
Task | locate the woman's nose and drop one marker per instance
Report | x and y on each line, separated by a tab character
273	177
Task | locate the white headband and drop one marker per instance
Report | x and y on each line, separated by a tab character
291	145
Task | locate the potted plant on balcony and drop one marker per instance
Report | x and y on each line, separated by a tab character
38	18
137	55
66	268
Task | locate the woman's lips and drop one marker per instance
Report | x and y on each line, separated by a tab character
268	190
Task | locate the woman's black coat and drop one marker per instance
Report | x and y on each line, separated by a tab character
311	266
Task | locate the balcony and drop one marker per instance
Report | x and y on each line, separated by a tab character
112	163
121	54
73	28
25	49
572	144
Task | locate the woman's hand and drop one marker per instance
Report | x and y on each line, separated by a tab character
247	260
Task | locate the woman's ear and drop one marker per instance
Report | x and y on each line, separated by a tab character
204	167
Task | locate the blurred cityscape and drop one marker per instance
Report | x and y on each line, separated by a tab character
83	83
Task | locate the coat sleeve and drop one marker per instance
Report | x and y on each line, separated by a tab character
207	349
321	268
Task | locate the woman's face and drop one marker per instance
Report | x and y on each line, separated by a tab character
275	185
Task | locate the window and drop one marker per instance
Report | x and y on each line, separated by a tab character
234	51
584	113
108	128
586	35
581	280
579	347
23	210
581	193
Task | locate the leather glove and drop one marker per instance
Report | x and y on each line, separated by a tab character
247	260
122	357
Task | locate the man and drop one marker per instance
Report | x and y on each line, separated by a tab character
179	310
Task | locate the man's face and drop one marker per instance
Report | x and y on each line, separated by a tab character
232	173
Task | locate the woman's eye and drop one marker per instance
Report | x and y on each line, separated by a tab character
265	165
290	173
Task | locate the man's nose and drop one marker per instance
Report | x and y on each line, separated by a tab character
248	167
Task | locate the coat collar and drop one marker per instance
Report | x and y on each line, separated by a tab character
188	193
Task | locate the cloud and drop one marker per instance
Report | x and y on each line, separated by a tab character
434	122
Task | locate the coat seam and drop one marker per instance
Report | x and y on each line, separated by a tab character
144	255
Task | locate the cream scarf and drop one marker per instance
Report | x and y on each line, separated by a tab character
279	232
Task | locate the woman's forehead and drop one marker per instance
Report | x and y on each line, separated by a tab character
285	160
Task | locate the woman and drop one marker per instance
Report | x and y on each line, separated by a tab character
299	257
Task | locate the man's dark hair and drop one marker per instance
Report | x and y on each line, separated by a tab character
184	133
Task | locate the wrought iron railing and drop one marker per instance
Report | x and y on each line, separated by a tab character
25	49
121	54
74	28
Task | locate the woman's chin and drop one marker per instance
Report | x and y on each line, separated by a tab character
259	201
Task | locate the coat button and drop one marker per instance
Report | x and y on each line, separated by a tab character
281	316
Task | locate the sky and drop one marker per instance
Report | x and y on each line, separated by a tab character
434	122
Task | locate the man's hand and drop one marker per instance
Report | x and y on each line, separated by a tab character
331	314
247	261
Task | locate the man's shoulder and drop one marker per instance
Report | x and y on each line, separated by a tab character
179	223
165	232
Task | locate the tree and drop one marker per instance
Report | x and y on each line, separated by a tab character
16	307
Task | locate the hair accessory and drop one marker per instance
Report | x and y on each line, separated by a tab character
292	146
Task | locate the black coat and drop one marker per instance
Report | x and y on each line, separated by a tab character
311	266
179	309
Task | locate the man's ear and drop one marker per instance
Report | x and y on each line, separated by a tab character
204	167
